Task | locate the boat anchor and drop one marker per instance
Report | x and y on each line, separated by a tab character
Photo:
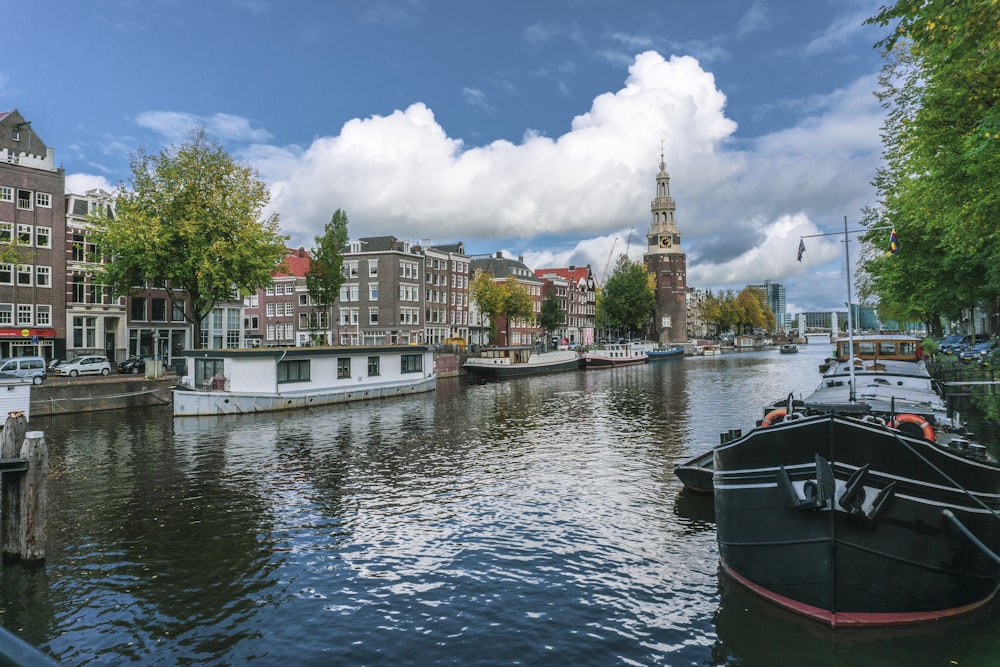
853	497
816	492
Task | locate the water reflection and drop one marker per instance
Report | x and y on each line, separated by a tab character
524	521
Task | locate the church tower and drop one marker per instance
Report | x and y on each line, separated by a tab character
666	261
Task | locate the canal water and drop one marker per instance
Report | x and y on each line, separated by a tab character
533	521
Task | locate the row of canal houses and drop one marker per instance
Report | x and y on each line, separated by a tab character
395	291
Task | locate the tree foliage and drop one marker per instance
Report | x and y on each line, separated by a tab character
326	263
552	316
740	312
941	87
508	300
627	301
190	221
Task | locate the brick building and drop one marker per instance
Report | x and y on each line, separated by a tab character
32	243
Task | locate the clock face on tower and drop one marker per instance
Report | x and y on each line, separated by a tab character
666	241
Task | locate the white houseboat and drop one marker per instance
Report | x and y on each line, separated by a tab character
239	381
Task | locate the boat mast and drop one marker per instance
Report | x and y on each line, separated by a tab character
850	317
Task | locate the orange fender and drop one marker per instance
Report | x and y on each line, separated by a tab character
925	426
773	417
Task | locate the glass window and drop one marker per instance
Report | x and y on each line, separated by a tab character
373	366
6	314
411	363
6	274
159	309
294	371
43	237
343	367
43	199
43	315
25	314
24	274
24	233
139	309
6	232
6	193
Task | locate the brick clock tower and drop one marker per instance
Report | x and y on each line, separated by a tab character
666	261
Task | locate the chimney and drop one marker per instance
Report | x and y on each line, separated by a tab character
499	254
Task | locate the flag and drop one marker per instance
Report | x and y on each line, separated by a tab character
802	249
893	242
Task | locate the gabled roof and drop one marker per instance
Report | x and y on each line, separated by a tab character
297	264
501	267
577	274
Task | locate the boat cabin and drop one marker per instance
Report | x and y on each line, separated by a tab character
882	347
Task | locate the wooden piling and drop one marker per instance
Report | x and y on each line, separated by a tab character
34	498
10	485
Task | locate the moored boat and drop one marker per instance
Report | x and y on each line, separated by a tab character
789	348
864	503
520	360
663	353
614	354
236	381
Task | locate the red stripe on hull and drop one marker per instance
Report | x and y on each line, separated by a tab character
852	619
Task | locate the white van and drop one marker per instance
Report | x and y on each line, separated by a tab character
24	367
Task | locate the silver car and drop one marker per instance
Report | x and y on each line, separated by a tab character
89	365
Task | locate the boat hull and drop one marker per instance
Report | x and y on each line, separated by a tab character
197	402
846	522
662	355
546	362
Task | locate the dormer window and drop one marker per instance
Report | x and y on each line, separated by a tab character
15	134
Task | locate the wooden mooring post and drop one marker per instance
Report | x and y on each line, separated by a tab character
24	468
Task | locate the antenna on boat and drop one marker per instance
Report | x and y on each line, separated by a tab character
850	317
850	314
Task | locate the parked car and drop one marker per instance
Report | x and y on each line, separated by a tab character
89	365
964	342
949	343
133	365
978	352
24	367
55	362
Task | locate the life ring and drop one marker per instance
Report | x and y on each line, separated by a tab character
773	417
924	425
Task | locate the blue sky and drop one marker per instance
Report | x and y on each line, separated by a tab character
534	128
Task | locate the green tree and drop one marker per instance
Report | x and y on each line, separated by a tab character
628	301
748	312
326	265
552	316
508	300
191	221
941	139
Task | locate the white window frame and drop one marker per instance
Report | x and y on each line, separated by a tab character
25	234
24	271
43	200
43	237
43	315
43	276
6	193
25	314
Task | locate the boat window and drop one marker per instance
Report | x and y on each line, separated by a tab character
373	367
205	370
866	347
886	348
908	348
411	363
844	347
293	371
343	367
